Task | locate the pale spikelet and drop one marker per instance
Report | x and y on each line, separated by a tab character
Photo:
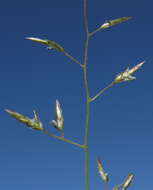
37	40
101	171
126	75
135	68
128	181
58	123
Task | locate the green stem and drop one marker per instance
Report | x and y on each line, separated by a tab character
87	129
72	58
102	91
62	139
87	96
94	32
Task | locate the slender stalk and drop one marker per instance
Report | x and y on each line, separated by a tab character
102	91
62	139
94	32
72	58
87	96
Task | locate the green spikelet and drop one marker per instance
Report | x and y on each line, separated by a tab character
110	23
33	123
51	44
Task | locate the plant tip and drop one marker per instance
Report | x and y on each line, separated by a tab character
7	110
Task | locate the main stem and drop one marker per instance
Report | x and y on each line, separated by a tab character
87	96
87	129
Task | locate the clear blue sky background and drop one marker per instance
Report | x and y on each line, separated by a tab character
32	77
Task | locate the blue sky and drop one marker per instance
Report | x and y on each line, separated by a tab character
32	77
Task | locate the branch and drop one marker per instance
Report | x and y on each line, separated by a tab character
102	91
72	58
62	139
94	32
